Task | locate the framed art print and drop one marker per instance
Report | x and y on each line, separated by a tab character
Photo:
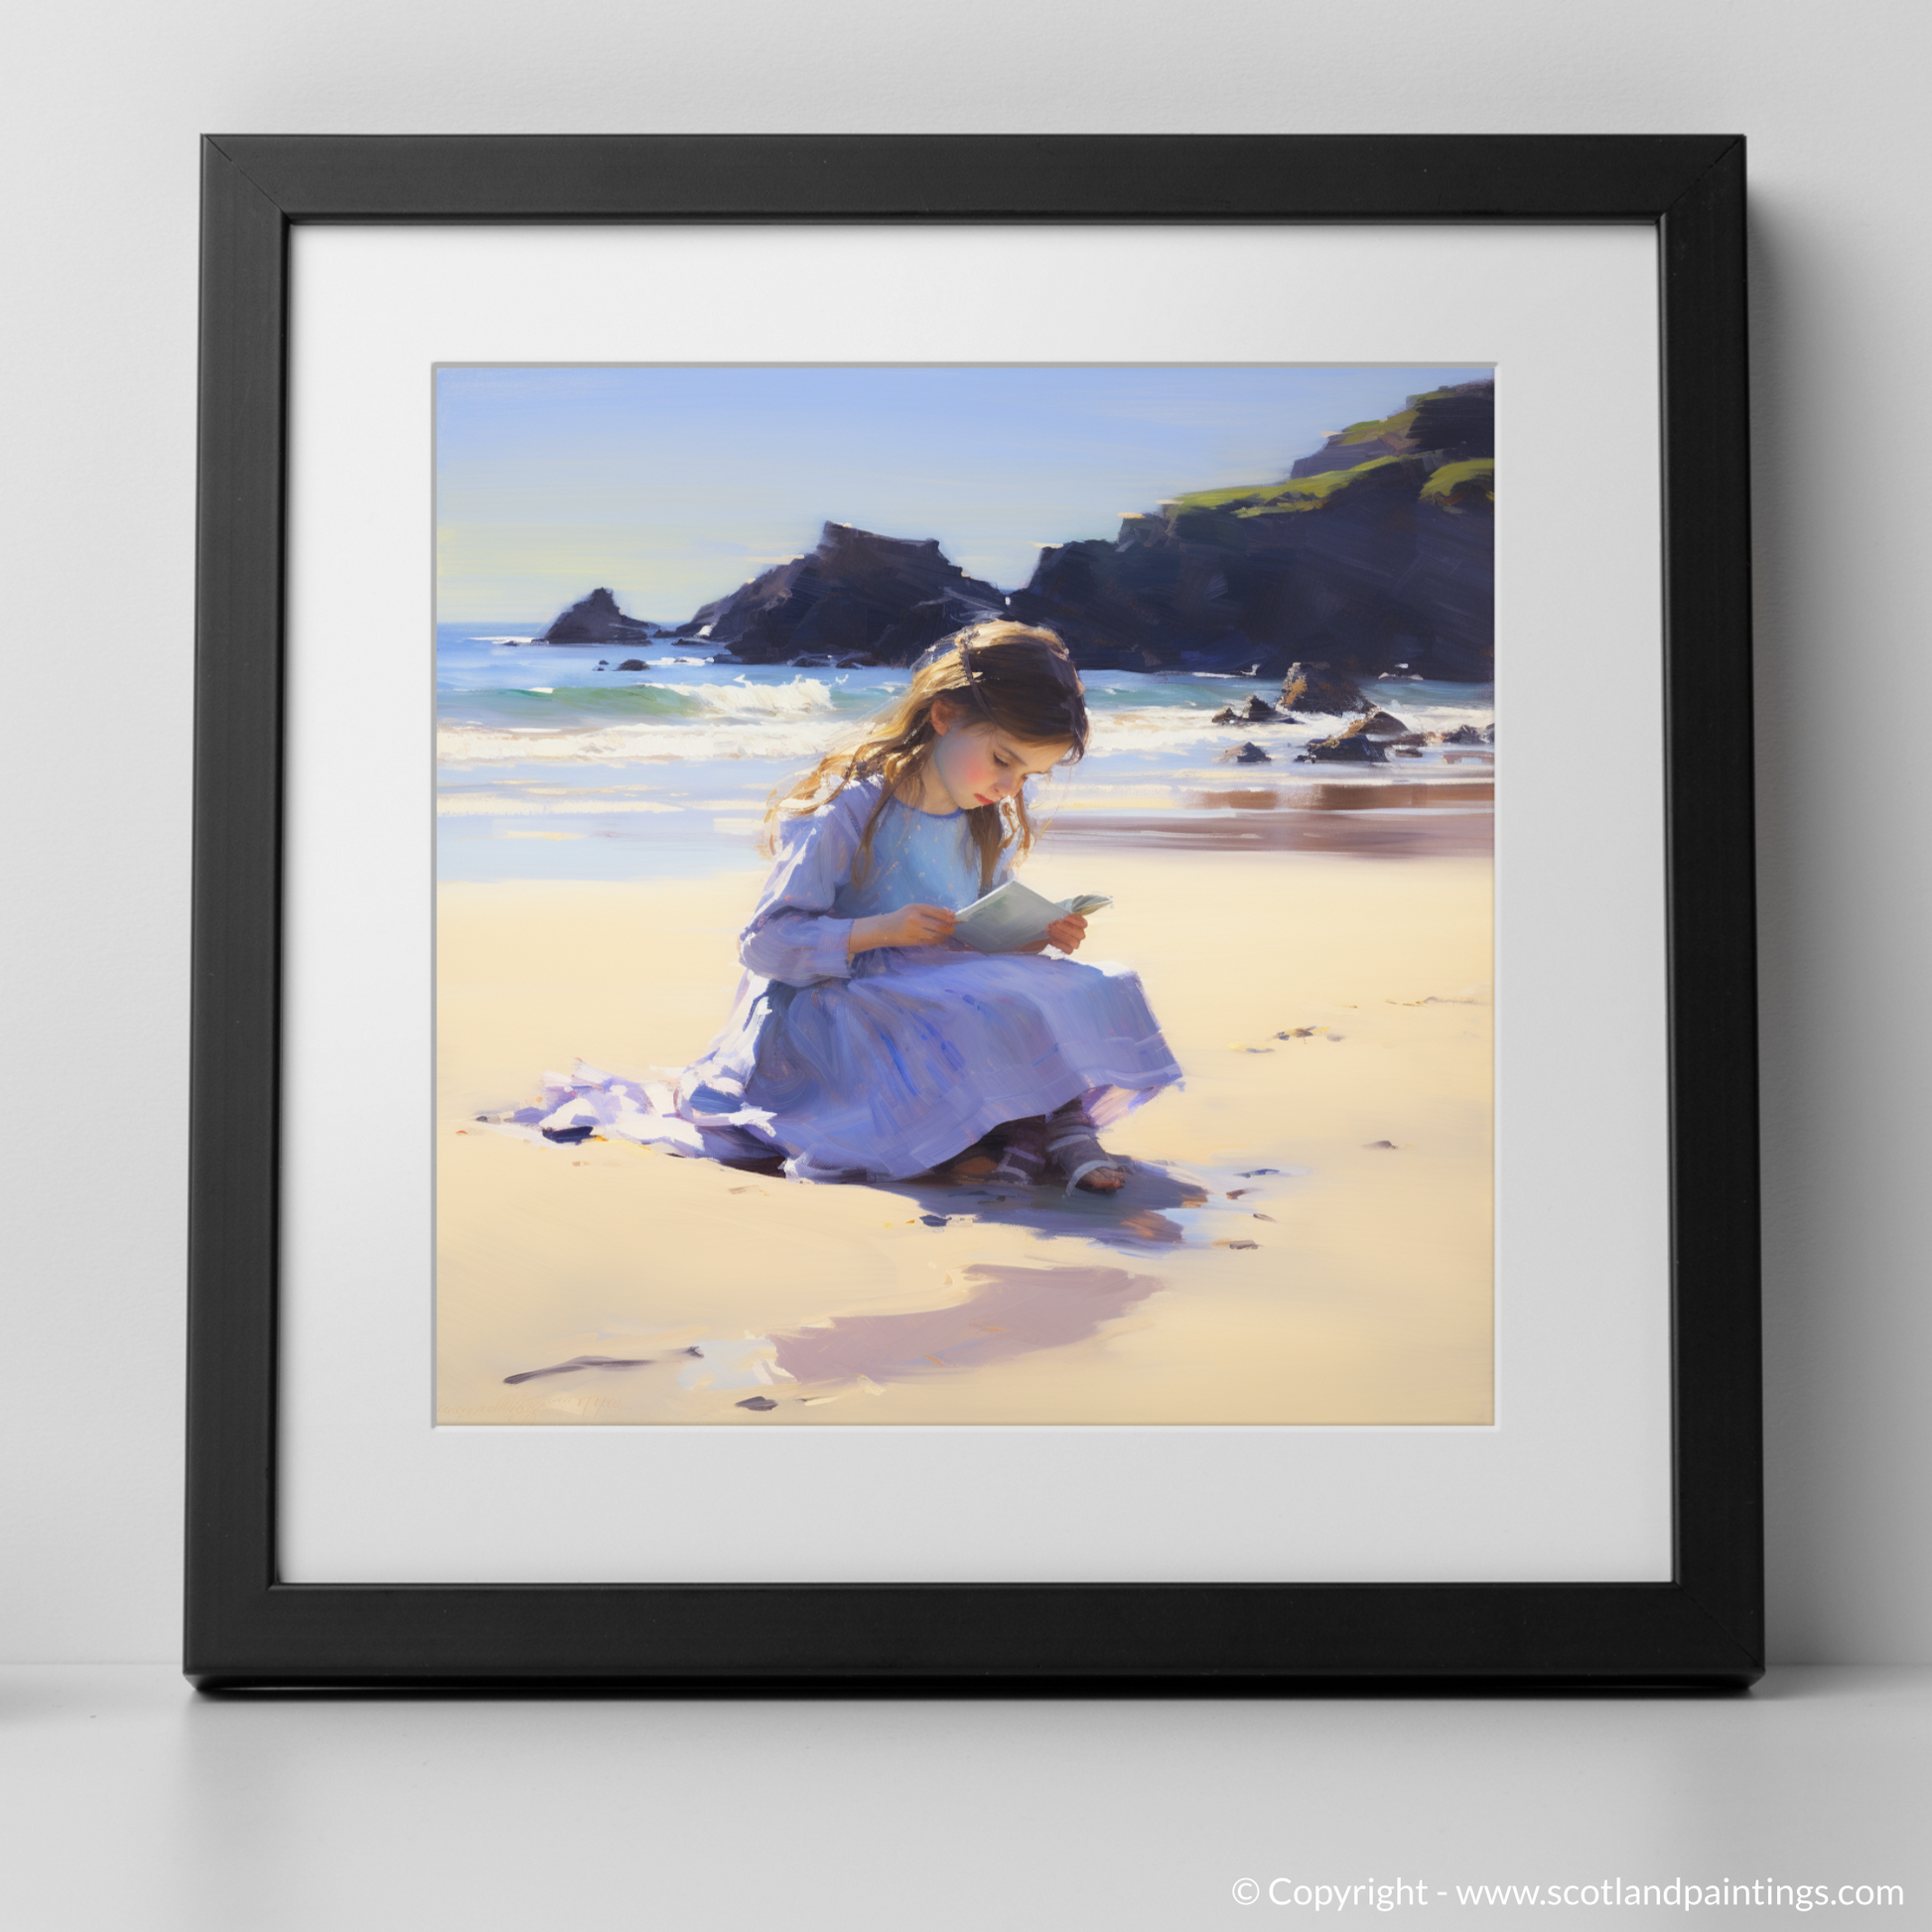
973	910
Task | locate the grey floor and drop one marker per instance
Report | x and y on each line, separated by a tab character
130	1803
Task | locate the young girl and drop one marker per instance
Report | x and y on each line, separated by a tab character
867	1043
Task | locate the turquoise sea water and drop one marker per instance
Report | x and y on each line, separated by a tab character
555	764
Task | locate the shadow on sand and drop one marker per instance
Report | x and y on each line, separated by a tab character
1009	1310
1133	1216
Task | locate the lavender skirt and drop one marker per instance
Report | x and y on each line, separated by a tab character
885	1074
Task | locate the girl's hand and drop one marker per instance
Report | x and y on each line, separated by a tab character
1064	933
911	925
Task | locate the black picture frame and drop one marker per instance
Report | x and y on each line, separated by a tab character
1702	1629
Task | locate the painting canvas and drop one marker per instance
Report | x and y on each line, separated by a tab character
753	680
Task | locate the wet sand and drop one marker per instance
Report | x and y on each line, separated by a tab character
1307	1237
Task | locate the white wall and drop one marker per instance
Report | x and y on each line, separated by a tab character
103	101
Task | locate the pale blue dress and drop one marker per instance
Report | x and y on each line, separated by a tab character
892	1062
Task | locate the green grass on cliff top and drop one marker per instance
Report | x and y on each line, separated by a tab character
1310	492
1399	424
1275	499
1396	425
1462	483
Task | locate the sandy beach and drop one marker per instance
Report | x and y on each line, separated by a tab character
1306	1239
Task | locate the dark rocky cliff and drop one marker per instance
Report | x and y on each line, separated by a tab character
1382	562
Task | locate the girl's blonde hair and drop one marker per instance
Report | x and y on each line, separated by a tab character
1013	678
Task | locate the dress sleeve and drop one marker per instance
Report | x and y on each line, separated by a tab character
792	936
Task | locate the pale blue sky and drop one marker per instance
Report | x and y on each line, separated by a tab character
672	486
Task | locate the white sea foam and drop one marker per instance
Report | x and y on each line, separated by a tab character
458	745
743	699
525	804
1152	728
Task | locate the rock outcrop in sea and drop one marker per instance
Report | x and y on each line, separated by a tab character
596	619
856	593
1315	687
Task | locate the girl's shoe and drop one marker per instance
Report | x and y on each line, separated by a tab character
1075	1149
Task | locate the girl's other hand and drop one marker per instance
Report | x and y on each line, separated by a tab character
1067	933
915	925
